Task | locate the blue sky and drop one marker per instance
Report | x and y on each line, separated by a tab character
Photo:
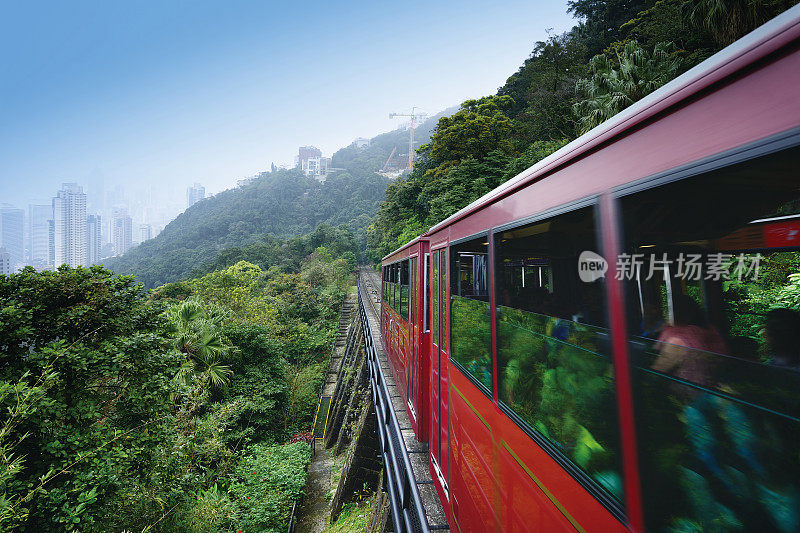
172	92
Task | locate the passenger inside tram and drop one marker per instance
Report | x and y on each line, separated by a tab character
685	347
782	335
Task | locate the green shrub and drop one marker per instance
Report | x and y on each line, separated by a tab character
269	480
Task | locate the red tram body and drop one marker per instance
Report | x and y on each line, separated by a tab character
553	403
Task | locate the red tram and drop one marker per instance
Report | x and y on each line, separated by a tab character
610	340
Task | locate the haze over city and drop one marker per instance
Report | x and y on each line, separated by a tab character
155	97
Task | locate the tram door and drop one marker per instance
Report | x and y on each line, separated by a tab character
439	382
412	368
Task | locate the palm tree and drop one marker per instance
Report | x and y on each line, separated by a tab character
199	338
727	20
609	90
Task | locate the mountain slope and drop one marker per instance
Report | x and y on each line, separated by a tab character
283	204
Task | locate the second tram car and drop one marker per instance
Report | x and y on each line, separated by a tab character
610	341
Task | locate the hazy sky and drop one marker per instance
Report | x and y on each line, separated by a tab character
172	92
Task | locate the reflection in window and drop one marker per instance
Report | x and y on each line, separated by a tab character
553	354
470	320
435	301
403	292
716	350
396	287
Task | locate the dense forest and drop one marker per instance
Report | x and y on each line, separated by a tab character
182	409
620	51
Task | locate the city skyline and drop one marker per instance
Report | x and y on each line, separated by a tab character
75	228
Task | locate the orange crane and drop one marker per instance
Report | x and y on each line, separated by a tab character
389	159
414	116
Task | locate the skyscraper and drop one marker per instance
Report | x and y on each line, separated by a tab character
69	226
145	232
93	241
51	242
5	262
39	217
122	227
194	194
12	222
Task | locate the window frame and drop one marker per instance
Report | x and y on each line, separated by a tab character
771	144
615	507
489	393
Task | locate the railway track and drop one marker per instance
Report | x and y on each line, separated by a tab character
368	279
413	499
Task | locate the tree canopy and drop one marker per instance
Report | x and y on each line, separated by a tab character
177	410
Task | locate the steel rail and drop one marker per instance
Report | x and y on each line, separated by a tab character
408	513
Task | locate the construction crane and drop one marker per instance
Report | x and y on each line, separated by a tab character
414	116
386	166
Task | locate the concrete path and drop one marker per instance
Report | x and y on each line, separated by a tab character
316	509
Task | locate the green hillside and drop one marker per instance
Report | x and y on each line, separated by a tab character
253	221
282	204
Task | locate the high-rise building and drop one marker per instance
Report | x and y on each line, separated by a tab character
122	226
51	242
5	262
311	162
93	239
145	232
194	194
305	153
69	226
39	217
12	222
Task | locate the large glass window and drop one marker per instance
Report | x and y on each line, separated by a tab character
712	274
435	300
396	288
414	286
393	287
403	297
384	282
470	318
554	371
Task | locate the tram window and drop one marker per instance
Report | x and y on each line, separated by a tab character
445	307
470	319
554	370
414	288
403	290
386	284
715	343
394	296
392	285
426	327
435	300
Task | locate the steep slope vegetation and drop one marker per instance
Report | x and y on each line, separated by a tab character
252	221
282	204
